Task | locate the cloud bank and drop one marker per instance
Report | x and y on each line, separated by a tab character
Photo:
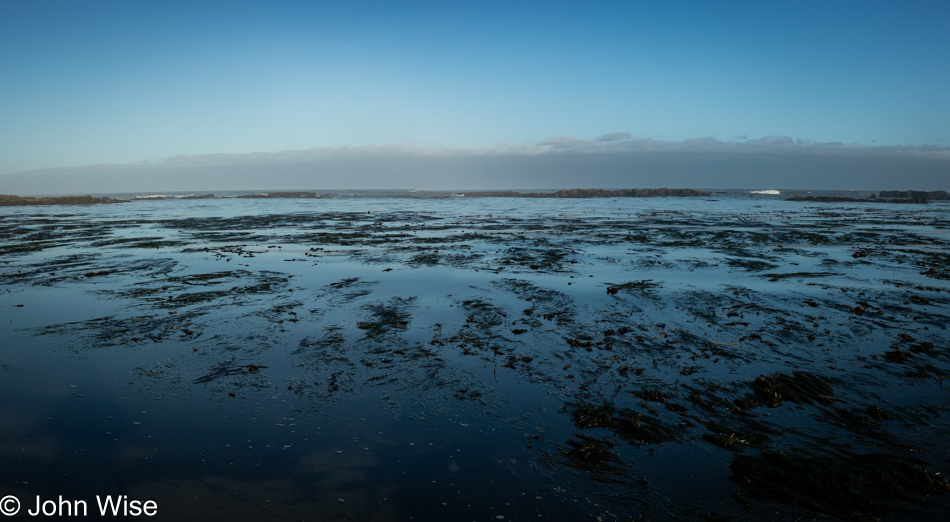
614	160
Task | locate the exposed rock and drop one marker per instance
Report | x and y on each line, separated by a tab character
11	201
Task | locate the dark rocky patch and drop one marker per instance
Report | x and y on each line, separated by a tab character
627	424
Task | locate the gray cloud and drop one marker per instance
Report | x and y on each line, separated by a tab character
614	136
557	162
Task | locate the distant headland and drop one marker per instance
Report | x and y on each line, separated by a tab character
17	201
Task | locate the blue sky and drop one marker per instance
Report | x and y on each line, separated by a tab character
118	82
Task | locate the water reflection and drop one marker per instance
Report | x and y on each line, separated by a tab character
377	359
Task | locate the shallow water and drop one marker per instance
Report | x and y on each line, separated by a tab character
396	358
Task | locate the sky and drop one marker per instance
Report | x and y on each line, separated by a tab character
477	94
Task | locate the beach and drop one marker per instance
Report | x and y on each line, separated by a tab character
387	356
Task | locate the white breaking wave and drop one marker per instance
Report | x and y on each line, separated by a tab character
770	191
164	196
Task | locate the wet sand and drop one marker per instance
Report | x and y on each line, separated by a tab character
374	359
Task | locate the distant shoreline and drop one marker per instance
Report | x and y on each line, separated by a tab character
18	201
885	196
568	193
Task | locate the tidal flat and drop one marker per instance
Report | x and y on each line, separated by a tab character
707	358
